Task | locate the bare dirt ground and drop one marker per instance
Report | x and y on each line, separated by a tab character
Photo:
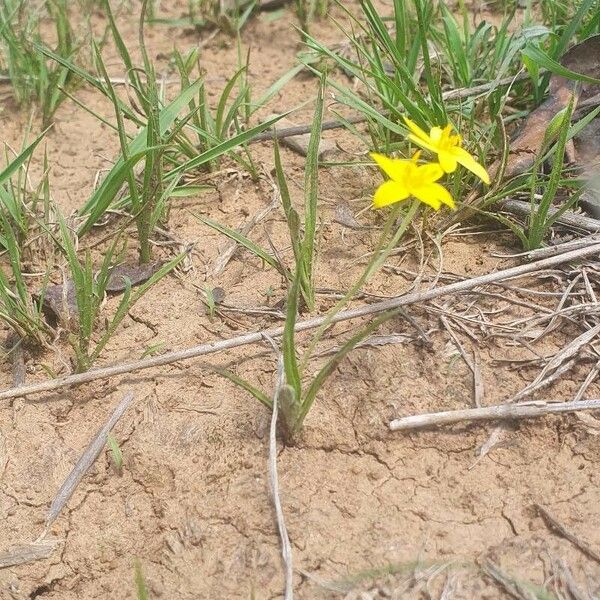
368	511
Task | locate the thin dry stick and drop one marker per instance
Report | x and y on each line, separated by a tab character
562	569
26	553
508	584
255	337
556	375
85	462
470	362
570	218
567	534
524	410
539	253
286	548
591	376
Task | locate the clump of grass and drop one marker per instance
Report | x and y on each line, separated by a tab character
20	309
154	163
543	190
306	10
90	335
205	13
32	77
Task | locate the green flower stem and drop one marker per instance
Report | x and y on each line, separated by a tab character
380	255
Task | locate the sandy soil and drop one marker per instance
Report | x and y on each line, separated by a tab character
368	511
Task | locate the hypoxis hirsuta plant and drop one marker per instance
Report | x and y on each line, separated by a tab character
88	334
408	180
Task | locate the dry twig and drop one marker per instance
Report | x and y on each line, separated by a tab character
524	410
286	548
569	218
559	364
26	553
508	584
567	534
85	462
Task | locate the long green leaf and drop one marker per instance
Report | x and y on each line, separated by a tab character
544	61
223	147
102	198
311	192
20	159
332	364
245	385
166	118
246	242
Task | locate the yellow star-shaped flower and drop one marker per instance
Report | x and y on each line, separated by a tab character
447	147
407	178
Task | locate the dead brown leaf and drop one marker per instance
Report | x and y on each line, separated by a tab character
60	302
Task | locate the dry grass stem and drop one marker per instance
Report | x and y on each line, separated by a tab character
568	534
286	548
85	462
27	553
524	410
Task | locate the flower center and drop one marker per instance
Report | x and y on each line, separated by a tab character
448	141
414	179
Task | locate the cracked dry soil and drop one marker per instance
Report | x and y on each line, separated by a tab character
365	509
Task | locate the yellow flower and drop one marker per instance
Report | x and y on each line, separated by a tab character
407	179
447	147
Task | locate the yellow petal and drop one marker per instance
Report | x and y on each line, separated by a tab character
394	168
430	172
388	193
468	162
426	195
447	160
417	131
433	194
423	143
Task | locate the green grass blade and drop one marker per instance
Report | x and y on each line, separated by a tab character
543	60
311	191
293	376
246	242
102	198
223	147
573	25
20	159
333	363
245	385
